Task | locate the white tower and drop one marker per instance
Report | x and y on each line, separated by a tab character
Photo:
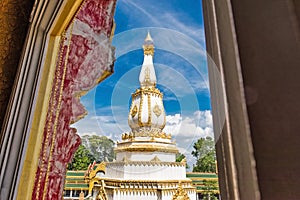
145	166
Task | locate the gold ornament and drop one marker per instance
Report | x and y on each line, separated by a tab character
134	111
148	50
180	194
147	75
157	111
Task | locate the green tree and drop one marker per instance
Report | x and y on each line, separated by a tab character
179	157
81	160
204	152
101	147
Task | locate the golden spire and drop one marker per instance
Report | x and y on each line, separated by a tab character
148	37
147	114
147	75
148	45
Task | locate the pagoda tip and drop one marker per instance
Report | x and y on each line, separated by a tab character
148	37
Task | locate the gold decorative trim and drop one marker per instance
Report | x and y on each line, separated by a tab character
137	191
27	180
112	31
145	163
126	136
156	110
79	117
134	111
155	159
45	151
164	114
102	195
153	133
98	183
148	49
128	143
142	93
168	187
140	109
92	184
100	167
56	115
128	119
59	57
149	111
66	15
184	182
147	75
180	194
148	148
147	90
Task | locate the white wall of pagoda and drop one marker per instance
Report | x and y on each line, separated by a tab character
146	156
146	171
134	195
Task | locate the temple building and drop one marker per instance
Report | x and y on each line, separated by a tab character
145	165
78	185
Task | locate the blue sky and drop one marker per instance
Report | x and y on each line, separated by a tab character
180	62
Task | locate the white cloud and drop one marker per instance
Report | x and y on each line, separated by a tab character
187	130
190	127
204	118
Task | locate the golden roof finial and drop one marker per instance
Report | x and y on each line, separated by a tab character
148	45
148	37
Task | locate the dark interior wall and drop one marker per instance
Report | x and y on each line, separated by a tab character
14	23
269	47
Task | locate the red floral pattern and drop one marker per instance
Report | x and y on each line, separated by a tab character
89	55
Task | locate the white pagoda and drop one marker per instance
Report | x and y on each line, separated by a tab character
145	166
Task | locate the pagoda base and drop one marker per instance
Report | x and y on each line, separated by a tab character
144	180
118	189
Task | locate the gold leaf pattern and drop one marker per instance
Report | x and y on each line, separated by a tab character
180	194
157	111
134	111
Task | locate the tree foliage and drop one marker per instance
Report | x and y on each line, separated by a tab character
93	148
101	147
179	157
81	159
205	154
